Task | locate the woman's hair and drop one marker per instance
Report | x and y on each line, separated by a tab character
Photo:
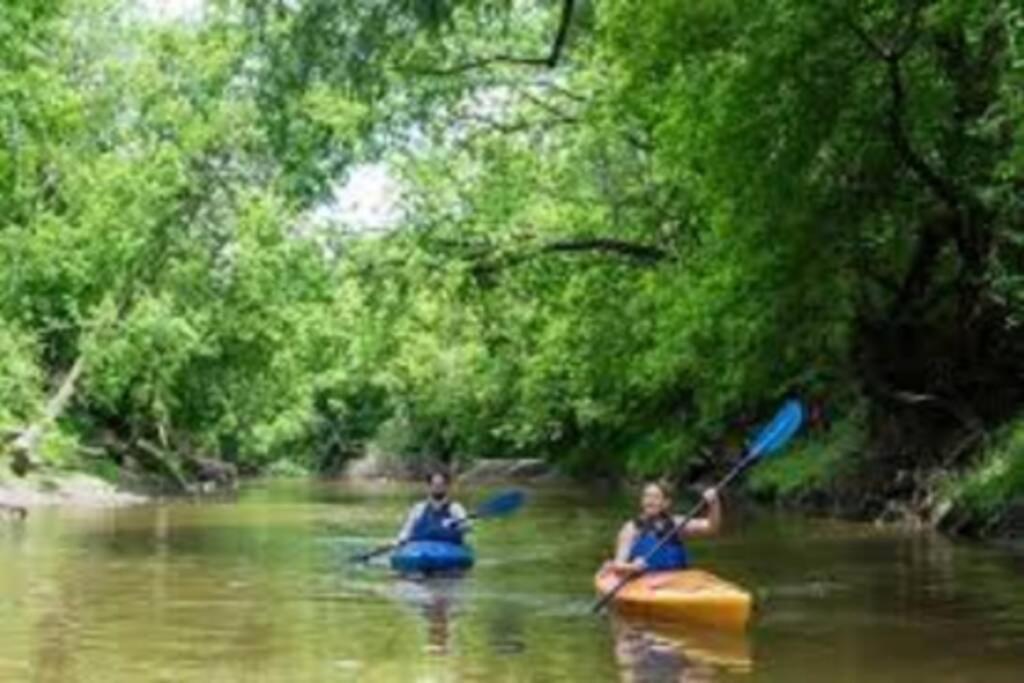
662	485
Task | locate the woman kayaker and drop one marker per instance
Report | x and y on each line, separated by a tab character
640	536
438	518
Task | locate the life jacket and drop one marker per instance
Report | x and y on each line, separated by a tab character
671	555
432	525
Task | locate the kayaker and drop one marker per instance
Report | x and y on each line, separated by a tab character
639	536
438	518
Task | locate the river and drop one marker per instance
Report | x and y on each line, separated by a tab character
260	589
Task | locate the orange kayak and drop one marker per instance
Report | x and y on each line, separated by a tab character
690	595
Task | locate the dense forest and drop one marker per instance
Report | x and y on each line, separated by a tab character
625	230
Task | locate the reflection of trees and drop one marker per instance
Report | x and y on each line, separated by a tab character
506	631
56	643
113	592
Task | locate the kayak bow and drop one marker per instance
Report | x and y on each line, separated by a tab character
431	556
691	595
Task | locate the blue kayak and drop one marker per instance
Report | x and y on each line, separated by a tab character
431	556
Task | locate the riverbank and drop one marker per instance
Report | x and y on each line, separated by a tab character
70	489
824	473
377	465
843	473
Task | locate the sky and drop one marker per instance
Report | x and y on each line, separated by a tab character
367	202
170	10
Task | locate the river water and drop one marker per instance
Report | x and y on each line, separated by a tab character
260	589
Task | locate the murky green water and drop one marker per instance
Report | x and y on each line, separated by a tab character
259	590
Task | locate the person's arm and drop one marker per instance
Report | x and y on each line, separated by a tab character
623	545
410	520
710	523
460	518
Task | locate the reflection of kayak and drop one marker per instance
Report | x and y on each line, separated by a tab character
690	595
436	599
717	647
431	556
649	650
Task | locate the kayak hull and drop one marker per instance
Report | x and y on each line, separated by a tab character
431	556
691	595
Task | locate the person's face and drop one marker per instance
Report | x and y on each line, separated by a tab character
653	502
437	487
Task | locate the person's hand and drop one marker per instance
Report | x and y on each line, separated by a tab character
634	567
711	495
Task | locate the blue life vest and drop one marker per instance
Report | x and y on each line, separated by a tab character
433	525
671	555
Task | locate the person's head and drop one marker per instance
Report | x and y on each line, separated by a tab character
655	500
438	484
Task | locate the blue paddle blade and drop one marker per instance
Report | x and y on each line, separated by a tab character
774	435
502	504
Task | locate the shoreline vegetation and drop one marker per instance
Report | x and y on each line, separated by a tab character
979	504
269	238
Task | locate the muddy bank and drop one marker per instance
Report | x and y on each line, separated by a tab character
63	489
529	470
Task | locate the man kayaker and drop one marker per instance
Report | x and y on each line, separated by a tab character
638	537
438	518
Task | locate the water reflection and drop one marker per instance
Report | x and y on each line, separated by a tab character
662	652
259	592
437	599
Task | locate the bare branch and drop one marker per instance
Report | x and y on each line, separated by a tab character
563	33
550	108
481	63
549	61
640	252
634	253
565	92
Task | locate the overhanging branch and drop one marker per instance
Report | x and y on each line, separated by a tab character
640	252
549	61
633	253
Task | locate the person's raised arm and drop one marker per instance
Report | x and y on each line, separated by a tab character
710	523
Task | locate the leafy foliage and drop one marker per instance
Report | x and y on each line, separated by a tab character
627	228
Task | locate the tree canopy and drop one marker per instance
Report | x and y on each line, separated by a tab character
626	228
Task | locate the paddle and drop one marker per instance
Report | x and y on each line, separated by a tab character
769	440
500	505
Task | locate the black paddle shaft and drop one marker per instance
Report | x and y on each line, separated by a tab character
676	528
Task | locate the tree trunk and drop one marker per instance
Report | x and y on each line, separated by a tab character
25	445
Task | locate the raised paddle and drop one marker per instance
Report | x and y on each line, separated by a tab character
499	505
769	440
